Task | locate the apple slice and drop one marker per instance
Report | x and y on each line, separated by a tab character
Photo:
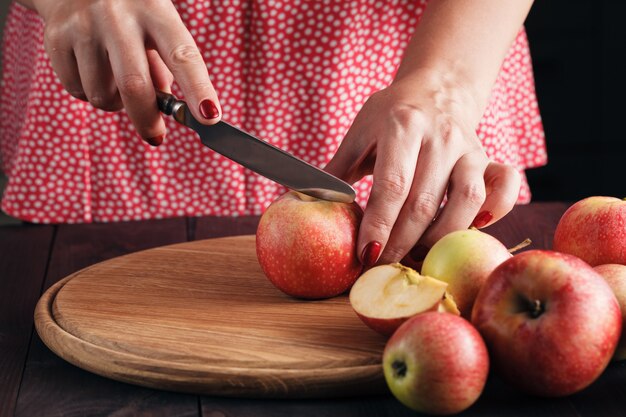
386	296
448	305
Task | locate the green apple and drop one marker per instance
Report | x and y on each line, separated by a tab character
464	259
386	296
436	363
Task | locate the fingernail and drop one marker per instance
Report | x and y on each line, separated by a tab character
482	219
208	109
418	253
155	141
370	254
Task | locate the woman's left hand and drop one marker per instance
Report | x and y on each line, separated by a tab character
419	142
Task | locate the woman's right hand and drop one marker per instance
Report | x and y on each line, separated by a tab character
114	53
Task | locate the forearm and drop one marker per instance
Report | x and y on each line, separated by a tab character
463	42
28	3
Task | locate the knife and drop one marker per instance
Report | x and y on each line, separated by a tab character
259	156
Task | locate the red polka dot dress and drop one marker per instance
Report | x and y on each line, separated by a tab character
293	72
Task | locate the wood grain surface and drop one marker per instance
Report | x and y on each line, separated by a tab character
201	317
20	287
50	386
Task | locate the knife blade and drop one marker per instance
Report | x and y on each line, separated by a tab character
259	156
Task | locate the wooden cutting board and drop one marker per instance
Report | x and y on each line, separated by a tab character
201	317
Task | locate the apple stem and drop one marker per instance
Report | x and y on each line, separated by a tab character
520	245
399	368
536	309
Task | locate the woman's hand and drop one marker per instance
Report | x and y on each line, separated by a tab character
419	142
418	136
114	53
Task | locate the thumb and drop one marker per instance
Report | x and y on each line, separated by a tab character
502	183
350	162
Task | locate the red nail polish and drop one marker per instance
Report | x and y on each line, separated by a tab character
208	109
370	254
155	141
482	219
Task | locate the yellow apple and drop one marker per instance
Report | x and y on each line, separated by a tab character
464	259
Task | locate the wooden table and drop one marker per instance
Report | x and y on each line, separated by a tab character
35	382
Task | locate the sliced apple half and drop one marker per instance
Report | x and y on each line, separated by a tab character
386	296
447	305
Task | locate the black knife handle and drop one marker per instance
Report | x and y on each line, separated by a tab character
171	106
166	102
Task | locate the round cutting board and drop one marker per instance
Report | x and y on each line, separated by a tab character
201	317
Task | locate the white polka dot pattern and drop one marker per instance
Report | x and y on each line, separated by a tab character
293	72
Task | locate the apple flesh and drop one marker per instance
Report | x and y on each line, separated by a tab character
464	259
594	229
551	323
615	276
307	246
386	296
436	364
447	305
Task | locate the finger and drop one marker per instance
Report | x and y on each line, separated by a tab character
132	76
392	178
429	186
181	55
162	77
502	184
97	77
353	159
466	194
64	63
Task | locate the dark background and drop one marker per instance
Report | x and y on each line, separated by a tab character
579	50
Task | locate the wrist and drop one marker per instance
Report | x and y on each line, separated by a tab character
29	4
448	87
40	6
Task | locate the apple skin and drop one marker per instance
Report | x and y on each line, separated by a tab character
551	323
464	259
307	246
387	327
615	276
594	229
436	363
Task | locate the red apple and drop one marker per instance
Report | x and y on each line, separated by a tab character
550	321
436	363
594	229
307	246
386	296
615	276
464	259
